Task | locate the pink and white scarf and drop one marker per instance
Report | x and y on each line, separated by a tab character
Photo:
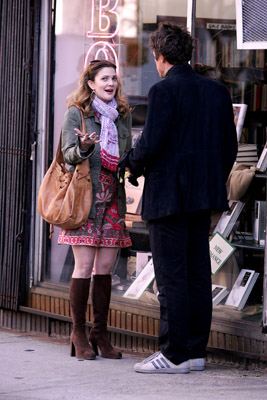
107	113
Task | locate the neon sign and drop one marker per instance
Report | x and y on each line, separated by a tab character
105	48
104	20
105	25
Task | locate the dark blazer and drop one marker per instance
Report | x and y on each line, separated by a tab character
188	145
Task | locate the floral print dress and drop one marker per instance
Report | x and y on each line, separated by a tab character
107	229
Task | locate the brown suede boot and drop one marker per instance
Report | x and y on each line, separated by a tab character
101	291
79	345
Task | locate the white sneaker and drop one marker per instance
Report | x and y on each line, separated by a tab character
159	364
197	364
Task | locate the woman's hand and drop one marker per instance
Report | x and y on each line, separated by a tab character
86	140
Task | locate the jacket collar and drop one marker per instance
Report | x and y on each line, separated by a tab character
179	69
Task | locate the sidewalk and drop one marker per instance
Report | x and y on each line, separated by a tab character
40	368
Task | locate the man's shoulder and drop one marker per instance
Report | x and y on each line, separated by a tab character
211	82
161	86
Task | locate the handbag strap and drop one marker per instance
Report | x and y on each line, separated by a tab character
59	155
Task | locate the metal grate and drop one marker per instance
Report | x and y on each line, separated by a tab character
16	97
254	15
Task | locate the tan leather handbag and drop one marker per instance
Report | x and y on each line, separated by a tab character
65	198
239	180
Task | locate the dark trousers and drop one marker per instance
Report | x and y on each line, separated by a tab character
180	250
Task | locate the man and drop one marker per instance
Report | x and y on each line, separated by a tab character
186	152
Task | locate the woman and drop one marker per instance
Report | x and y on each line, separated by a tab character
96	243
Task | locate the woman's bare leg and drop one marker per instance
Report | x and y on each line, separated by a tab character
84	261
104	260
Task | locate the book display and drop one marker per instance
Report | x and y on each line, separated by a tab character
239	118
242	288
142	281
244	74
218	294
259	222
220	251
228	219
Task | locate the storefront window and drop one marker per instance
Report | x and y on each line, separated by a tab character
119	30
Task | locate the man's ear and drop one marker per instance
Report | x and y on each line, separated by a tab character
162	59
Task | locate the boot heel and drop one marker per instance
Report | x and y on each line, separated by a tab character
72	349
94	347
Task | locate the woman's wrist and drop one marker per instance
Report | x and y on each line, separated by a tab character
84	147
88	152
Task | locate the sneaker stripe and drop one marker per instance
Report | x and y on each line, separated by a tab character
160	363
165	362
154	365
150	358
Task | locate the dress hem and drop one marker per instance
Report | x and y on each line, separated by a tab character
87	241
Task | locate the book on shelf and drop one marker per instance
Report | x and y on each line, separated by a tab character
247	153
239	117
218	294
220	251
259	221
247	147
130	219
247	159
262	162
242	288
142	281
140	224
228	218
142	258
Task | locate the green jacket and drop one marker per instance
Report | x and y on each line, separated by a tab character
74	155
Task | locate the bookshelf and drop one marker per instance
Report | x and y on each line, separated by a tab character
244	72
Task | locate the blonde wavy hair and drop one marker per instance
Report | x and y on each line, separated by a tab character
83	96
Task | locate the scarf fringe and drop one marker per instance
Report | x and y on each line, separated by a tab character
108	161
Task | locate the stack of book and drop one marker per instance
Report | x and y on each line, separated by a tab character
247	153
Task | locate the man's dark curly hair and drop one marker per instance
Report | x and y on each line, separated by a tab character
173	42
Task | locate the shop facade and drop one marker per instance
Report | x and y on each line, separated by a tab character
71	34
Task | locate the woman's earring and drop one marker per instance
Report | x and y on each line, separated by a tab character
92	93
